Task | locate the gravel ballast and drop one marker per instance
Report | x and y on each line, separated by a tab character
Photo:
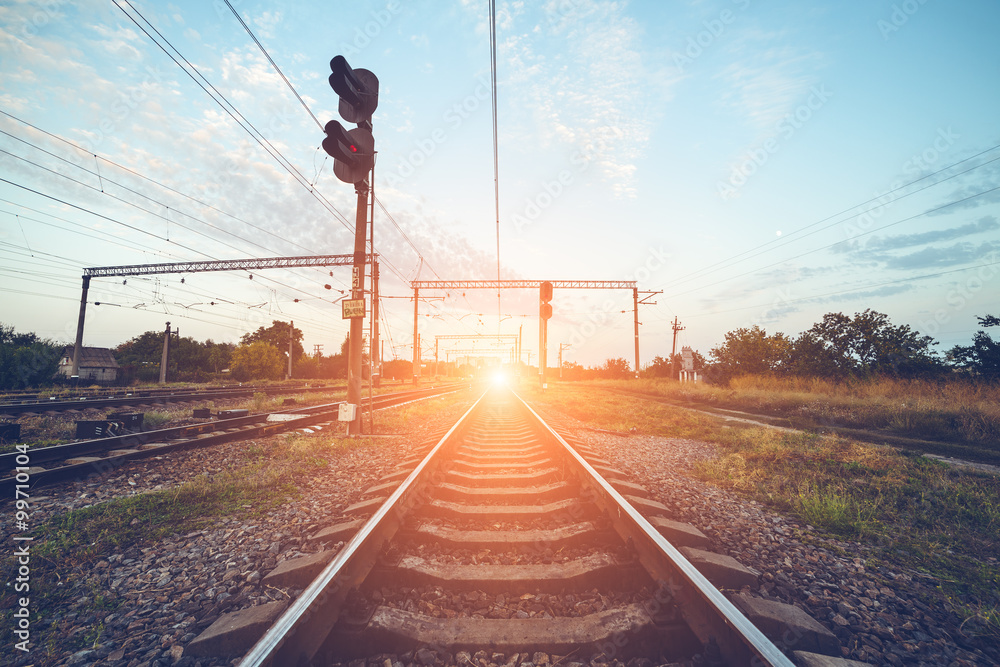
163	594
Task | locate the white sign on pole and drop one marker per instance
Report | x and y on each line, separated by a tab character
353	308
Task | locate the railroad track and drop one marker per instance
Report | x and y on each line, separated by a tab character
503	537
124	399
78	460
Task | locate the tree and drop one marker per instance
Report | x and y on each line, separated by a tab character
657	368
868	344
257	361
616	368
25	359
276	335
983	356
751	352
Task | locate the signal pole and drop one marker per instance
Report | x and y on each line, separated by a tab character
353	153
356	343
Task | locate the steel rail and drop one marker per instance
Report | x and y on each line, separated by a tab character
303	627
300	631
655	551
247	429
134	399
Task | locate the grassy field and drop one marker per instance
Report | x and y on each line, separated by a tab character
914	512
955	418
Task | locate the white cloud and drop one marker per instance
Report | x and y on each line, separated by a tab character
582	77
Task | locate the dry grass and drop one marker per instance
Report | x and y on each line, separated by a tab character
913	512
954	411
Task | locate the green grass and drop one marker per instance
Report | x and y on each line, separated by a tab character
913	512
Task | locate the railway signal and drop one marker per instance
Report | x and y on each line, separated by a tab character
358	90
544	297
544	313
353	151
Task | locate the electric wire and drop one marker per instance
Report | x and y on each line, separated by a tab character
233	113
273	64
496	160
847	291
725	263
870	231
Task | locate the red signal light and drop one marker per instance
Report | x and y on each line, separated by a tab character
354	149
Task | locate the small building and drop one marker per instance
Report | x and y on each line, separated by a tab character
96	363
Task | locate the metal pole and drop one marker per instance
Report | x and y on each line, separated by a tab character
78	348
291	337
376	347
416	342
356	342
635	316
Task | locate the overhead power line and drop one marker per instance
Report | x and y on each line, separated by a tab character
232	111
787	238
273	64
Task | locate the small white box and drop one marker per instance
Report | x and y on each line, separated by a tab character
348	412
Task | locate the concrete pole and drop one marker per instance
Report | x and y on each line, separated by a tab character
291	336
78	348
164	358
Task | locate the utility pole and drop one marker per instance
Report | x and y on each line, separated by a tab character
317	350
673	350
165	356
291	337
78	348
561	346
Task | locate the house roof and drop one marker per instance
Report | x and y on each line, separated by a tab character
93	357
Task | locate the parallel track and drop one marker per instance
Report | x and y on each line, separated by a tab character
100	456
504	485
32	404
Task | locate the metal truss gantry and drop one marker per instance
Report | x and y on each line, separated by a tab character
418	285
252	264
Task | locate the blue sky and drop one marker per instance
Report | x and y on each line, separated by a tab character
760	163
